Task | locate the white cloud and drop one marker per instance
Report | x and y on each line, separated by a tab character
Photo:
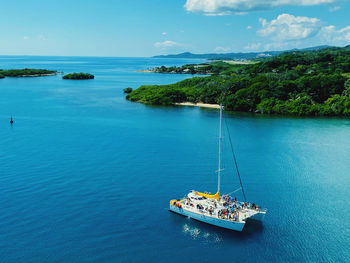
42	37
240	13
278	46
222	49
288	27
166	44
226	7
164	33
253	46
249	27
25	38
331	35
288	31
334	8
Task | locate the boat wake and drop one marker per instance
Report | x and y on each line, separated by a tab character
196	234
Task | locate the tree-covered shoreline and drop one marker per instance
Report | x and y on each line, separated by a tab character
303	83
27	72
215	67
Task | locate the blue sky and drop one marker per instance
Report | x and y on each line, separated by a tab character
146	28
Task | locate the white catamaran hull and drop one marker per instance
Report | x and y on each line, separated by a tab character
237	226
258	216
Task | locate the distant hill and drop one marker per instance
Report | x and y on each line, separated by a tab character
237	56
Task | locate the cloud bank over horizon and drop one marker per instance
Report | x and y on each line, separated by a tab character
238	7
287	31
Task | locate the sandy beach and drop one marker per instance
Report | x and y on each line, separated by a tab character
36	75
203	105
145	71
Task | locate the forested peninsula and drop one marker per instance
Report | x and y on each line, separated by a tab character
302	83
27	72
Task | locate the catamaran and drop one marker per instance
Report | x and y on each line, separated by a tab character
215	209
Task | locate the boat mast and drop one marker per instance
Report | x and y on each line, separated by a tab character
220	139
234	158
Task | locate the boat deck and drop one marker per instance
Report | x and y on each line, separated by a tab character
242	214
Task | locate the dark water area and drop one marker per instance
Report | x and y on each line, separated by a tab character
86	176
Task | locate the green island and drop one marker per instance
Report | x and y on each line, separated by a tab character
78	76
301	83
127	90
27	72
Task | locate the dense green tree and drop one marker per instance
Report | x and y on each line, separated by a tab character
78	76
296	83
26	72
127	90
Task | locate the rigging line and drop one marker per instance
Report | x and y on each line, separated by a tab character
234	157
235	191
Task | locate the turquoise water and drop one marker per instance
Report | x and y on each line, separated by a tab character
86	176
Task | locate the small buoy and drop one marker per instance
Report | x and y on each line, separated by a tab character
11	121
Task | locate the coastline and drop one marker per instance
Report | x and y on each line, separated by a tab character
145	71
172	72
35	75
202	105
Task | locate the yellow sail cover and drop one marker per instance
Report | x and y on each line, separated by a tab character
216	196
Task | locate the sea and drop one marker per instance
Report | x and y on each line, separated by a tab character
86	176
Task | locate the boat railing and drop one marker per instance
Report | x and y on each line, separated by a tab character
204	212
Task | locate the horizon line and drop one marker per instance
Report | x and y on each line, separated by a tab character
242	52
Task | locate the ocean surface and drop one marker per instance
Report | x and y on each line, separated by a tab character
86	176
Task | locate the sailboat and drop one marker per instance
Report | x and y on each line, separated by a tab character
216	209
